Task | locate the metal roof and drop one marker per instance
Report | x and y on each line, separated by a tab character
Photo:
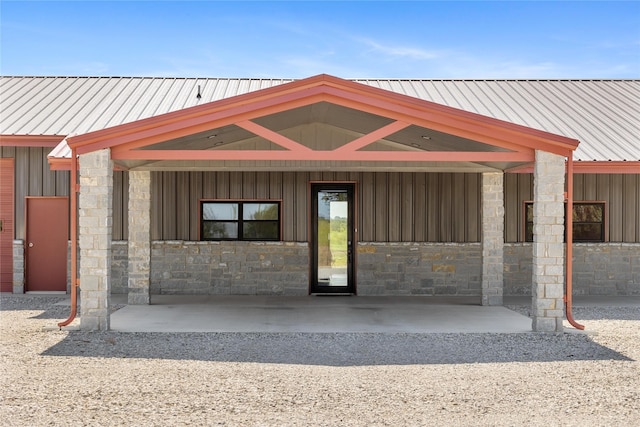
604	115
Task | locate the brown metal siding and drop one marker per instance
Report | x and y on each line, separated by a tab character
620	192
183	203
393	207
518	188
407	207
120	205
630	226
33	178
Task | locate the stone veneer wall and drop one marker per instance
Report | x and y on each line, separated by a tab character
282	268
119	267
598	269
419	269
229	268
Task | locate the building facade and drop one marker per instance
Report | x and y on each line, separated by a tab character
325	185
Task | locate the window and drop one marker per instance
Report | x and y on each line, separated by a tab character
240	220
588	221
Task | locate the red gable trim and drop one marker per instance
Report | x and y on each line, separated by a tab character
245	107
606	167
30	140
592	167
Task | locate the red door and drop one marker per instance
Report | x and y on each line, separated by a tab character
46	243
6	225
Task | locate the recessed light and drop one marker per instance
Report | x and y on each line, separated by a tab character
212	136
427	137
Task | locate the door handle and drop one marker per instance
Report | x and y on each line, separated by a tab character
30	244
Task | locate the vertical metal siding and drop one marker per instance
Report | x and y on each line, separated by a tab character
169	205
379	210
222	185
630	208
394	221
196	192
234	180
157	201
518	188
183	206
408	211
208	185
262	185
63	181
275	186
289	209
406	207
446	219
119	217
616	201
420	207
301	206
458	207
473	208
620	192
367	213
433	207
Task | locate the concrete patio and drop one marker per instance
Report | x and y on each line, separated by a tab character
198	313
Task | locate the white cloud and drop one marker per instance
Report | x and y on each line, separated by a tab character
410	52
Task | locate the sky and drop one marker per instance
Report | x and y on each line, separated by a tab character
297	39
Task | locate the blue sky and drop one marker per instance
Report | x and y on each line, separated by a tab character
296	39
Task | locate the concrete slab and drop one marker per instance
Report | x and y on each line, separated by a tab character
316	314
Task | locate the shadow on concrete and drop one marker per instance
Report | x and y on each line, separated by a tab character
335	349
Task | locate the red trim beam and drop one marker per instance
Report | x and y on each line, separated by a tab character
335	155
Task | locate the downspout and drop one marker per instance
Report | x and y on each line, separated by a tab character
74	239
568	293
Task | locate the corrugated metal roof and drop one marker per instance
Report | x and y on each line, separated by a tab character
603	114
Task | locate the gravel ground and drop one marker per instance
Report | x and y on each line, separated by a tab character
51	377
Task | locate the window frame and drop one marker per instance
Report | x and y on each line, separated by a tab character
604	224
240	221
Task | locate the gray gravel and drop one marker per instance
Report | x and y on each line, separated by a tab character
51	377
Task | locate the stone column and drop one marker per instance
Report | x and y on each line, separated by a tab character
139	236
95	234
18	267
492	238
548	243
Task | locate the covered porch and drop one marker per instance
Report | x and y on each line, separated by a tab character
316	125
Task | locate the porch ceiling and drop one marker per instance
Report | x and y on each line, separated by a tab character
321	126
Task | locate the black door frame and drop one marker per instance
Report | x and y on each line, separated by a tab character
352	232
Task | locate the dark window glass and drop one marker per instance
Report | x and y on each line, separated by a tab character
260	211
219	230
261	230
240	221
588	222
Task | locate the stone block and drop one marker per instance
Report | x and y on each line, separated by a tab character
544	324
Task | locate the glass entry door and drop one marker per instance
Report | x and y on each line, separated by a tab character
332	239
